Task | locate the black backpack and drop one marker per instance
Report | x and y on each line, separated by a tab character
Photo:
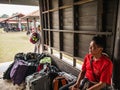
31	55
6	74
20	56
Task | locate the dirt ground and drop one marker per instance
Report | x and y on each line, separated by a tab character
8	85
12	43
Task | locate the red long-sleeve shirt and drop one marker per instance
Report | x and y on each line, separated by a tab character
102	68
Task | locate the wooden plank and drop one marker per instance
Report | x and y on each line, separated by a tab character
82	53
67	13
68	6
68	18
83	2
84	46
99	15
68	21
51	39
67	2
41	21
75	35
55	20
68	27
68	36
81	32
116	58
68	42
56	40
54	3
55	27
56	45
50	4
87	28
88	9
68	49
88	20
61	27
46	5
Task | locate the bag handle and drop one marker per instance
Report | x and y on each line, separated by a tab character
93	70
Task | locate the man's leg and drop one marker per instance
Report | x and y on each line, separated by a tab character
35	48
66	87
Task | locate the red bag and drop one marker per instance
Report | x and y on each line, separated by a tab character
40	67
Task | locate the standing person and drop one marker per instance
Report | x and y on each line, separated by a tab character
97	67
37	45
36	39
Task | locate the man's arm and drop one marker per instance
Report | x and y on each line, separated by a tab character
97	86
80	77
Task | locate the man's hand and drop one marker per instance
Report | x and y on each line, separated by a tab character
74	87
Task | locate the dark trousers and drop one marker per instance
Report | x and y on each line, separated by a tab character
66	87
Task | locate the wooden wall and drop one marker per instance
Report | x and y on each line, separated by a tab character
69	25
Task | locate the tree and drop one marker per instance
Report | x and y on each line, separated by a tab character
14	14
4	16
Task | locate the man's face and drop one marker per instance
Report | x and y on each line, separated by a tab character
94	49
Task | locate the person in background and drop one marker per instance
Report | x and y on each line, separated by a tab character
36	39
37	45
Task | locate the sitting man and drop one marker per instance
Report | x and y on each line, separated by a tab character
96	68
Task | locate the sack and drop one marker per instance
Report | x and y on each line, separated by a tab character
31	55
6	74
15	66
19	75
85	84
70	78
20	56
46	60
40	56
58	82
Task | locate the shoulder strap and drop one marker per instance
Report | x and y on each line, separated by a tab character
93	69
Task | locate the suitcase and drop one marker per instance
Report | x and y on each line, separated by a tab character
38	81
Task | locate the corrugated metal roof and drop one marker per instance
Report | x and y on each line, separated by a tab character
32	15
17	15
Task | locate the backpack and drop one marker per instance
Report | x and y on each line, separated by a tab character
20	56
15	66
20	74
31	55
58	82
6	74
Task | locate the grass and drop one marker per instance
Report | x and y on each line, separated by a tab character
12	43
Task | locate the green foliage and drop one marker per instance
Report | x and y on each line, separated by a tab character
4	16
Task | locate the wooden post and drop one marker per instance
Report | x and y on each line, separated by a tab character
116	58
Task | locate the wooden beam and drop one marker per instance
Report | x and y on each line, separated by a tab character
83	2
99	15
68	6
81	32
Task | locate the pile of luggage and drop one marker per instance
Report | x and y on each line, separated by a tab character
37	71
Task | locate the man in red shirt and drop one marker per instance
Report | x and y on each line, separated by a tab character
97	67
